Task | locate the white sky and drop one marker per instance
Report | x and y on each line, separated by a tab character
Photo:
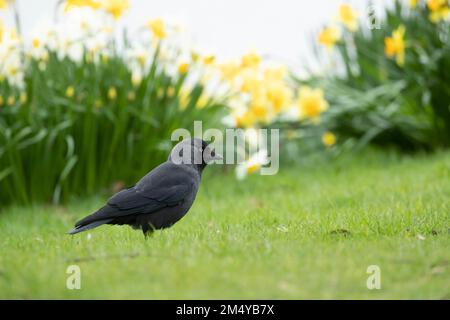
281	29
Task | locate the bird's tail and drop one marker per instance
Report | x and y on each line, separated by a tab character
84	227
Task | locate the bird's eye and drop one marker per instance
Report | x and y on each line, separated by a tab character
213	153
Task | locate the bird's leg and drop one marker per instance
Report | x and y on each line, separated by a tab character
147	230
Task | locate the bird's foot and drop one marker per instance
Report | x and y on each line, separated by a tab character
147	230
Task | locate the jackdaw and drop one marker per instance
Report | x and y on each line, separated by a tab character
160	198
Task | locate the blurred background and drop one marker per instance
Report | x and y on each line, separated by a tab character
281	30
83	82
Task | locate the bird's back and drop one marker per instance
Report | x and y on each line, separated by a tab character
160	198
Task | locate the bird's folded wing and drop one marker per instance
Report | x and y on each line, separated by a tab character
156	198
134	201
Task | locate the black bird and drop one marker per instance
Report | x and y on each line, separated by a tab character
160	198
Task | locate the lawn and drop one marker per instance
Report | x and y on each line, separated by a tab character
310	231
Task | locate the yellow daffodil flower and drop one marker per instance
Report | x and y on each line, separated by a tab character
36	43
244	119
329	139
413	3
195	56
184	97
250	82
70	91
70	4
439	10
311	102
275	73
203	101
394	46
183	68
209	59
279	95
112	93
115	8
250	60
170	91
252	165
136	79
23	98
348	17
141	58
158	28
5	3
435	5
259	111
11	101
329	36
229	70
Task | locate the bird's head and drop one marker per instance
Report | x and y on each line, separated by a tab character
193	152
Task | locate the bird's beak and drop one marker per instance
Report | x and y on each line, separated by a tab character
217	157
209	157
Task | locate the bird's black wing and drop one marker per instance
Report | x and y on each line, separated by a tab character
165	186
152	199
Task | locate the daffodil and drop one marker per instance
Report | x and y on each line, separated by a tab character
209	59
70	91
141	56
36	43
115	8
11	101
158	28
183	98
183	68
136	79
112	93
394	46
439	10
329	139
104	58
70	4
250	81
279	95
5	3
252	165
250	60
435	5
348	17
260	111
311	102
241	118
23	98
413	3
195	56
275	73
229	70
170	91
329	36
202	101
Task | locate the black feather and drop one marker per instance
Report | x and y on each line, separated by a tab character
158	200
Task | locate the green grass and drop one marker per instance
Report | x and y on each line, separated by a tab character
265	237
